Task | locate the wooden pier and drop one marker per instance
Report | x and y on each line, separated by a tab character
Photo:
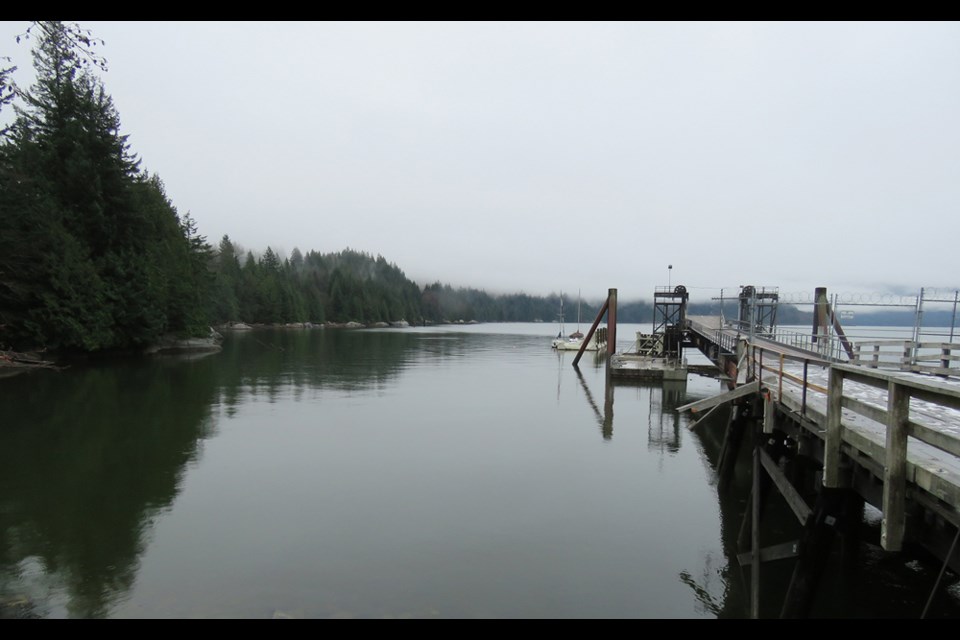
832	426
832	436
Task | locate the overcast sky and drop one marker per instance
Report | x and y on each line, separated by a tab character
537	157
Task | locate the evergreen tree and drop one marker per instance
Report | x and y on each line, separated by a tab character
248	295
7	88
225	305
96	256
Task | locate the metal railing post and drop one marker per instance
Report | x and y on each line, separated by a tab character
780	383
803	405
953	318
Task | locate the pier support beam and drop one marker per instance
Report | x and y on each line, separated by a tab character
830	514
744	413
767	473
755	532
737	425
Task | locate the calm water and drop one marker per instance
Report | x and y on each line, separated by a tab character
452	472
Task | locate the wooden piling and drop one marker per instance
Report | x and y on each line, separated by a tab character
836	510
755	533
895	469
736	426
611	321
814	548
744	536
592	330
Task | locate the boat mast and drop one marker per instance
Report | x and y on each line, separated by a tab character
578	310
561	314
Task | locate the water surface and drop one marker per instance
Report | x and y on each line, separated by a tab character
443	472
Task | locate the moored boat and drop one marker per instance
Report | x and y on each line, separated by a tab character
575	340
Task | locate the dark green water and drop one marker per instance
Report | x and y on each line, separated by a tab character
456	472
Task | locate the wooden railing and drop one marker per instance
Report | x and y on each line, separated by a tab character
898	425
907	355
894	422
942	359
885	354
649	344
772	359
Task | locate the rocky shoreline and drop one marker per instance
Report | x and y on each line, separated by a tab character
243	326
13	362
172	344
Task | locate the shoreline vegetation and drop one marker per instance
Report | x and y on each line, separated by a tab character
95	259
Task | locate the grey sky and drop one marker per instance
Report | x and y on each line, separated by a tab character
544	156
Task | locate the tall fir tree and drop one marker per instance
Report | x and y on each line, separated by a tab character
97	257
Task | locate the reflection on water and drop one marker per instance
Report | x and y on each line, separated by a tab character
88	458
450	472
604	417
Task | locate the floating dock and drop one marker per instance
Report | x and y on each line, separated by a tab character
631	365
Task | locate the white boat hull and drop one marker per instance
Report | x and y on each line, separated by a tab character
573	344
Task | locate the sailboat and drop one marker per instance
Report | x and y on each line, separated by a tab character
577	334
574	341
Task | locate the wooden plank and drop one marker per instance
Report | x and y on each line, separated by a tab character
872	362
878	382
937	357
791	495
864	409
883	343
942	486
944	441
942	371
895	470
694	424
773	552
932	436
935	391
706	403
